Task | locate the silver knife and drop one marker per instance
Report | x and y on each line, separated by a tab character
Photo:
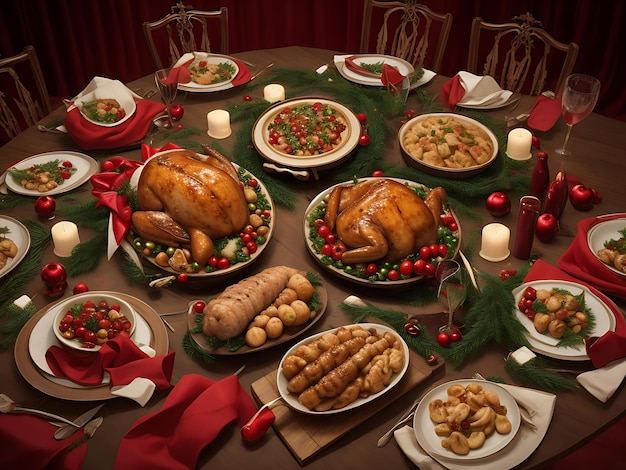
66	431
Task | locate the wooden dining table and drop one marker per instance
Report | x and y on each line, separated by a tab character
597	160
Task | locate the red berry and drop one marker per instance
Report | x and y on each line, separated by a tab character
361	117
247	98
378	173
364	140
183	277
80	288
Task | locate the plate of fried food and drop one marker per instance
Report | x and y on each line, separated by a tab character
208	72
607	241
14	244
307	133
341	369
410	228
50	173
447	145
465	420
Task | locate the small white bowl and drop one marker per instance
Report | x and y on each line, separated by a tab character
96	297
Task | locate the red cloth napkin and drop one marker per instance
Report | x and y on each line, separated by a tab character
607	348
579	261
390	75
544	113
452	92
90	136
120	357
193	414
28	442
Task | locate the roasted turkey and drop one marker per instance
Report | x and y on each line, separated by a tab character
383	219
189	199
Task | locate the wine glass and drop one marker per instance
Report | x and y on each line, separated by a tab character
167	83
451	291
578	100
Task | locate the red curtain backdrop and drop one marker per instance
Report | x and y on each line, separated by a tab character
78	39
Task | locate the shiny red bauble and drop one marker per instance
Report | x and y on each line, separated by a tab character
45	206
498	204
54	278
444	340
80	288
177	112
581	197
547	227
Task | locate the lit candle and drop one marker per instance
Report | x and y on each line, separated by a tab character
65	238
518	144
218	122
495	242
274	92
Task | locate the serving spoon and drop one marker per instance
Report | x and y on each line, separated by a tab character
9	406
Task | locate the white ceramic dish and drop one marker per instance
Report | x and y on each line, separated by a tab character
292	400
20	236
603	232
126	310
444	172
84	164
404	67
349	137
425	429
544	343
213	59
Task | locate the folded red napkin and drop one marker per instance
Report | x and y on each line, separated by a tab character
579	261
90	136
193	414
452	92
28	442
607	348
120	357
390	75
544	113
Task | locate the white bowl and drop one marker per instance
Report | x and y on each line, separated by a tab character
125	309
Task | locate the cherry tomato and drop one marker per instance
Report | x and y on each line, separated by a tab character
434	250
252	247
530	293
327	249
409	113
223	263
419	266
65	174
425	252
115	307
323	231
90	337
331	239
429	269
406	268
104	323
443	250
393	275
212	261
183	277
80	332
253	183
198	306
371	269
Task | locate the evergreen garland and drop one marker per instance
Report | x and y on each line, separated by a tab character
533	373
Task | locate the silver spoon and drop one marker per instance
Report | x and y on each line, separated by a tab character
9	406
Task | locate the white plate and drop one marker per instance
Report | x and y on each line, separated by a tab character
213	59
292	399
350	137
84	164
544	343
42	337
20	236
322	197
402	65
513	98
425	429
603	232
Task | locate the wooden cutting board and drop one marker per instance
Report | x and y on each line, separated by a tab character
305	434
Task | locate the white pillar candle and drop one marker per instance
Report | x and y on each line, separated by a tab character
218	122
519	143
65	238
495	242
274	92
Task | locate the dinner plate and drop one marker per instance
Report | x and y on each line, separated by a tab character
513	98
41	380
603	232
292	399
213	59
544	343
20	235
424	427
84	164
288	334
349	137
233	268
404	67
351	272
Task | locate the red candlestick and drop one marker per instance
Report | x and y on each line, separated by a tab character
556	196
529	210
541	177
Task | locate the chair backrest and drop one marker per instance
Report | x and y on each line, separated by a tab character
513	53
24	96
405	31
186	30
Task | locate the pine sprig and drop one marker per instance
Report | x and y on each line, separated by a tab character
533	373
16	318
11	200
180	137
86	255
194	351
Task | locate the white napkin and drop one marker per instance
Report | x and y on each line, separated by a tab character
103	88
540	406
482	91
603	382
140	390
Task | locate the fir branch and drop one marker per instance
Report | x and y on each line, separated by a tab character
139	274
86	214
179	137
86	255
16	319
194	351
533	374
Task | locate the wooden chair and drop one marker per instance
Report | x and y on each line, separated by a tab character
186	30
405	31
515	48
24	96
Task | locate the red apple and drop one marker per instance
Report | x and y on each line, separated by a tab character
581	197
547	227
45	206
498	204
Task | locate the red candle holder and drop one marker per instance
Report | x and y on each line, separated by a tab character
529	209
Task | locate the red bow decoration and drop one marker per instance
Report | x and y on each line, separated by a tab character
147	151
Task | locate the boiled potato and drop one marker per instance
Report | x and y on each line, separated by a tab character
303	313
287	315
274	328
255	337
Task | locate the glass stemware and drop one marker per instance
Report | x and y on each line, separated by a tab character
451	291
579	97
167	83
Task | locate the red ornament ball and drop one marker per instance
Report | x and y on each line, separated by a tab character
247	98
45	206
364	140
108	165
378	173
444	340
54	278
177	112
455	336
498	204
362	118
80	288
